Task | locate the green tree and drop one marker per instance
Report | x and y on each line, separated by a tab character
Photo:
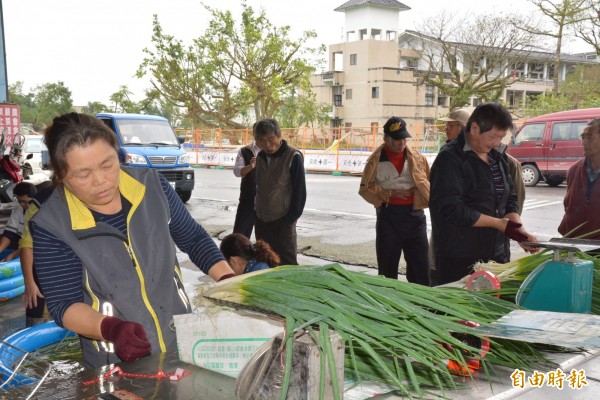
302	109
42	104
156	104
51	99
580	89
26	101
563	16
122	101
472	57
94	107
232	69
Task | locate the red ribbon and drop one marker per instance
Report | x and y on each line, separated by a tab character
174	376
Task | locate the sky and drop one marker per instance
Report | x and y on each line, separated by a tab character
95	47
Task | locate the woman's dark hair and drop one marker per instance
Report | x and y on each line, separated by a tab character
239	245
71	130
489	116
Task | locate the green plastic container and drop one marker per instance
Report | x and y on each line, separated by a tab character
559	286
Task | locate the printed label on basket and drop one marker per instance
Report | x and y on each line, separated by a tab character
223	342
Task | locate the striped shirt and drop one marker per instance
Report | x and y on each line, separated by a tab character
494	158
60	270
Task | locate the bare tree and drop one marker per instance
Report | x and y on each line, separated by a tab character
563	15
589	29
474	57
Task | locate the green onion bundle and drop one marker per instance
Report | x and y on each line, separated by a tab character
394	331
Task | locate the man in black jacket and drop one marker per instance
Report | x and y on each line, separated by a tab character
473	203
245	163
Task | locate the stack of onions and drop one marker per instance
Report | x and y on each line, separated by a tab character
394	331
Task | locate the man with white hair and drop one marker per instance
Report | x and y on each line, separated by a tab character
455	122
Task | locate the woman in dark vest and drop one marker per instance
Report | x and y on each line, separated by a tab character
104	246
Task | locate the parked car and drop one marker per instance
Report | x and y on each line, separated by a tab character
34	144
547	145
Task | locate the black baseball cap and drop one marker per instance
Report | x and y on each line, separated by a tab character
396	128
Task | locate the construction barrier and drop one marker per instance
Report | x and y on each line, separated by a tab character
341	149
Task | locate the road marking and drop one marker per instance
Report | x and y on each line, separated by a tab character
537	204
337	180
340	213
219	200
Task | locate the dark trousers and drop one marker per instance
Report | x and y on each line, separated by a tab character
281	235
400	228
244	218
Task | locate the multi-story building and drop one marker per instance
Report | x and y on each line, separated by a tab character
374	73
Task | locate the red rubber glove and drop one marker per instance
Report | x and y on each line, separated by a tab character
512	231
129	338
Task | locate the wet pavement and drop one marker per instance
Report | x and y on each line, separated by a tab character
12	316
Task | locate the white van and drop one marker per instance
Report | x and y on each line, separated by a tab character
34	144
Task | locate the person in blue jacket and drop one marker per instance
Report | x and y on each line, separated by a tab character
244	257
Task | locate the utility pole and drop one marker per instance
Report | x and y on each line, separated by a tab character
3	74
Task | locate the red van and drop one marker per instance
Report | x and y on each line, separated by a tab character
547	145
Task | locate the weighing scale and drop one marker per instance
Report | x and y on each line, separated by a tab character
560	284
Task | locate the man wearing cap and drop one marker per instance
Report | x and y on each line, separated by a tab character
396	181
455	123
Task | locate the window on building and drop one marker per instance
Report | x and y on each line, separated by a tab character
536	71
353	59
474	63
517	70
337	95
347	126
513	98
550	74
348	94
375	92
442	100
429	95
412	63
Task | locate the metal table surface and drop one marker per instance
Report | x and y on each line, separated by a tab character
207	385
200	384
